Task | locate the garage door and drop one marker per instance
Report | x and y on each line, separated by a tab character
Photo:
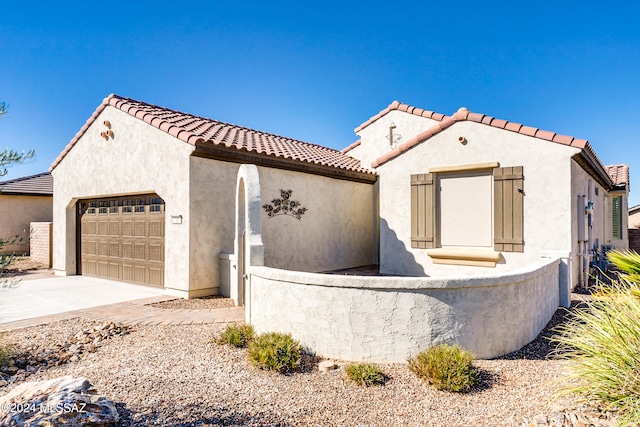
122	238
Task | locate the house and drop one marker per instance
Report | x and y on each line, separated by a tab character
147	195
475	191
634	217
634	228
22	201
480	226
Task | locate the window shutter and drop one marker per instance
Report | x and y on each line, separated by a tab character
616	211
422	211
508	185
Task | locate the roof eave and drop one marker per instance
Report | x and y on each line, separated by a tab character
590	163
217	152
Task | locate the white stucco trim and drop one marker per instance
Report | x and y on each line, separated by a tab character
247	245
464	168
464	256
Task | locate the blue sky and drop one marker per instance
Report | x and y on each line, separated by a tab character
316	71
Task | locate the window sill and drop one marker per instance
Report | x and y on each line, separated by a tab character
472	257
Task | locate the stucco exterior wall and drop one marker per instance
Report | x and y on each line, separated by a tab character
388	319
336	231
212	221
601	230
139	159
375	141
16	213
634	220
547	210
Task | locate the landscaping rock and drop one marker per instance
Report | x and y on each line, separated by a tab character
580	416
327	365
33	359
67	401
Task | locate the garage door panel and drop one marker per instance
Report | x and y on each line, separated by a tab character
103	248
122	238
156	276
140	228
140	274
127	228
156	252
103	228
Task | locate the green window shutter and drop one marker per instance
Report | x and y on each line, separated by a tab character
422	211
616	216
508	186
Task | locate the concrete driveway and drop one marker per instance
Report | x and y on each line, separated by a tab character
53	295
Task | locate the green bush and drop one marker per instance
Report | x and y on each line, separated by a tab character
628	262
365	374
601	342
275	352
236	336
446	367
5	354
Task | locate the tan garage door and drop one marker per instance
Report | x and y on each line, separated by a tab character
122	238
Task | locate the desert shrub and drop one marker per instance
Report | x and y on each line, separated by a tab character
601	342
5	354
365	374
275	352
446	367
628	262
236	336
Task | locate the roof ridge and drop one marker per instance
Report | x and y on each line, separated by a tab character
195	130
397	105
24	178
463	114
239	127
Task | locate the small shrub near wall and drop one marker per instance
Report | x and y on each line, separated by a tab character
365	374
238	336
275	352
446	367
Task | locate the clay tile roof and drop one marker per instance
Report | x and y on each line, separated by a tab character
198	130
395	105
619	174
352	146
37	185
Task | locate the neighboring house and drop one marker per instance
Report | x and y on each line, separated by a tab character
22	201
460	194
634	217
148	195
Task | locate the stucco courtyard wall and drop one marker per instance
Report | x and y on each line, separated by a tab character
16	213
139	159
212	221
547	189
337	230
388	319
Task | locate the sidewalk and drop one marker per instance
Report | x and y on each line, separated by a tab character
42	301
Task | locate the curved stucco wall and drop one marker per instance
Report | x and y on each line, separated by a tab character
388	319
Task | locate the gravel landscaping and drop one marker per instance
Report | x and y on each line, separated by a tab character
175	376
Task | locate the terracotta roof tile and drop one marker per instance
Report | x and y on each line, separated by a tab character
395	105
40	184
619	174
352	146
194	129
